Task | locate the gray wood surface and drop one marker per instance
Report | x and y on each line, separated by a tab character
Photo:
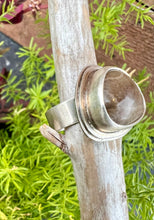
98	167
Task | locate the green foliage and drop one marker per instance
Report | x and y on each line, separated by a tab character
36	178
141	76
106	19
107	16
142	13
1	43
137	159
138	146
34	64
4	11
43	23
151	104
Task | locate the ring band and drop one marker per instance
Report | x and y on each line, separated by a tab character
62	115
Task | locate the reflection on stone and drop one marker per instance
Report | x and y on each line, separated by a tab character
122	99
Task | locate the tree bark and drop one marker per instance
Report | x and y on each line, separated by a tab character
98	167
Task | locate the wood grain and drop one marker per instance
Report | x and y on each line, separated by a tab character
98	167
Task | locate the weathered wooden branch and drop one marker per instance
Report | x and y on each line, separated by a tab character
98	167
54	137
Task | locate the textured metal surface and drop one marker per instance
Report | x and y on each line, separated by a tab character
62	115
107	104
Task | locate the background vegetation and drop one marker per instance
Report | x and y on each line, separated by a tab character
36	178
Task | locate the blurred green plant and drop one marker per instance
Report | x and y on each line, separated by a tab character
36	178
138	147
12	11
6	9
43	23
107	17
150	105
141	10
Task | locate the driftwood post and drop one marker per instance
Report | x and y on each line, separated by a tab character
98	167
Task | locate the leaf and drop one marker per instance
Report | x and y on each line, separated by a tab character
3	216
16	16
7	185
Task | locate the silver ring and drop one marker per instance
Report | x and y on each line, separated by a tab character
107	104
62	115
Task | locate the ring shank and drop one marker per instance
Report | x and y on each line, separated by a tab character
62	115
